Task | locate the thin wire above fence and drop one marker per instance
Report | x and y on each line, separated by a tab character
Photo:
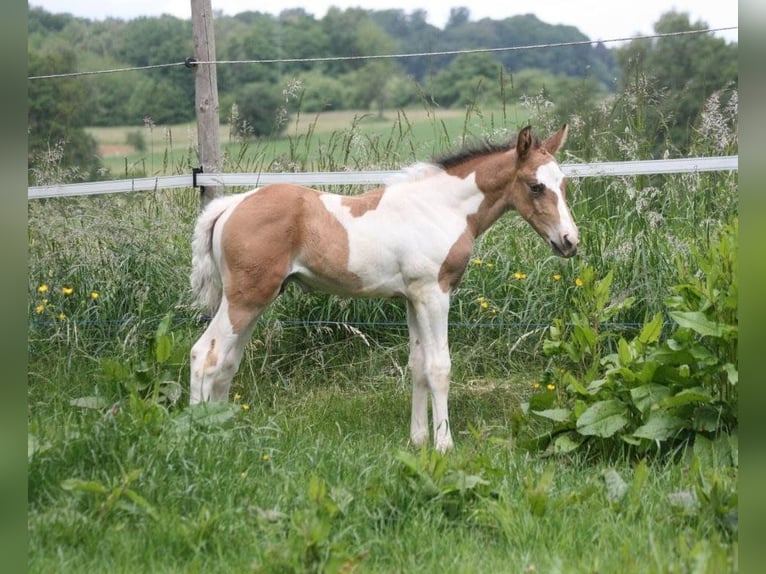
190	63
572	170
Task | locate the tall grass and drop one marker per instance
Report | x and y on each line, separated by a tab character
114	476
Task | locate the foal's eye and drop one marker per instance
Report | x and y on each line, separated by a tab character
537	188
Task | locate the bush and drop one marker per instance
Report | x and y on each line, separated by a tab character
648	391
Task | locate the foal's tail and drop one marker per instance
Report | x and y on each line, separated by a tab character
205	273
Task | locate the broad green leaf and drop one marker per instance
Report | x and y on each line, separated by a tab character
595	386
660	425
731	373
573	384
464	481
624	353
565	443
645	396
207	415
622	373
697	322
603	418
602	288
651	331
646	374
585	337
706	418
164	327
162	348
558	415
687	396
703	450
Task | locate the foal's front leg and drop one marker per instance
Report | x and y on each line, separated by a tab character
419	419
429	351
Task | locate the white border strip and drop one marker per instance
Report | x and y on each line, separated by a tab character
574	170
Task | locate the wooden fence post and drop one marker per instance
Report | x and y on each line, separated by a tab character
206	95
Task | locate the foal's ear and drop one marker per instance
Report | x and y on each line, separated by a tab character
554	143
524	143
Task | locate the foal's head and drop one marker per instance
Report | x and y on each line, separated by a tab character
538	190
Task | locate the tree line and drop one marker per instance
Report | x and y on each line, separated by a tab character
691	67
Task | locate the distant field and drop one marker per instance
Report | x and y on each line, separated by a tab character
328	140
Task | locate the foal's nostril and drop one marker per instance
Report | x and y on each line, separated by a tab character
567	242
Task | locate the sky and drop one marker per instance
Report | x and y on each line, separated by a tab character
597	19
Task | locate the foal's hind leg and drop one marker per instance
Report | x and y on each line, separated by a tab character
215	357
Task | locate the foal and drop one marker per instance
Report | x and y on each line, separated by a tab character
410	239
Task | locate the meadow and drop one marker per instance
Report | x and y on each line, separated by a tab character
308	469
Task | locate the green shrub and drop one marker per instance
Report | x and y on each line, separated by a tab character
647	391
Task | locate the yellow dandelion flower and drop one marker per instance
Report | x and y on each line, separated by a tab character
579	282
94	295
481	298
237	396
42	288
266	458
477	261
67	290
245	407
484	304
557	277
490	265
550	387
536	386
62	317
40	308
519	275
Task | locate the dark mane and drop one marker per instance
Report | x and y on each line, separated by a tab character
475	149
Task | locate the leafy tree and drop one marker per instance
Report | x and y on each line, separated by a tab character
162	99
689	67
469	78
321	92
58	146
261	109
373	75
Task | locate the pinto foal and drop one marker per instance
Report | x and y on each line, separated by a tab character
410	239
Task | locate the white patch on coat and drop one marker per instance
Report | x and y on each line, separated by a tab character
409	234
551	175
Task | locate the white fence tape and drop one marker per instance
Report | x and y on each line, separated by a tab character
574	170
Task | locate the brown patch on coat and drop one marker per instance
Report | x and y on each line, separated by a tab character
262	237
453	266
358	205
211	359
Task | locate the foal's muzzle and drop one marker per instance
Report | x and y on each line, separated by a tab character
566	246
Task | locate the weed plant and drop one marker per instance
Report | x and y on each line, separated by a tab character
307	469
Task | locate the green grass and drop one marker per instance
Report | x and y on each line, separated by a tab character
314	478
317	474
